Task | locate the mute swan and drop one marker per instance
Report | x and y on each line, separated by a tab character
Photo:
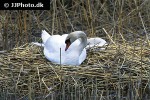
72	47
91	42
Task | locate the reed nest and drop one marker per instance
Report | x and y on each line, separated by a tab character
121	70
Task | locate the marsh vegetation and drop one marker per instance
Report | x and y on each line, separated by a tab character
121	72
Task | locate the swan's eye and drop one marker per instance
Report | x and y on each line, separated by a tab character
67	41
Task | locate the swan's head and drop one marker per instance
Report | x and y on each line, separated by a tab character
74	36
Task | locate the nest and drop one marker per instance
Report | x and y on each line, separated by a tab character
116	71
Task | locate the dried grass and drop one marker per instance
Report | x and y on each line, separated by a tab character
25	72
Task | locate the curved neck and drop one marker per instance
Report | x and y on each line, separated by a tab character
72	37
83	40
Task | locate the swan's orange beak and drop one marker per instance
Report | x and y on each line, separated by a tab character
67	45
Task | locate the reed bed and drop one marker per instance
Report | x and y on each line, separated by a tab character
125	20
119	72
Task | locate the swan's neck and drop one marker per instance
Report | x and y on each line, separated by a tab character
83	42
72	37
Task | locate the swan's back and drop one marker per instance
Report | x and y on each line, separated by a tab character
54	43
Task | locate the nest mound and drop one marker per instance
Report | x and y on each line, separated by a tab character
111	73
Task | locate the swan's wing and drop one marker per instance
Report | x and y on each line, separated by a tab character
82	57
45	36
95	42
38	44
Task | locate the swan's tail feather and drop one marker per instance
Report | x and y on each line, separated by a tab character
45	36
38	44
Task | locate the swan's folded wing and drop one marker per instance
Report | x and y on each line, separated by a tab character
38	44
95	42
82	57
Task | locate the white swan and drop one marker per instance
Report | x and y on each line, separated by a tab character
72	47
91	42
